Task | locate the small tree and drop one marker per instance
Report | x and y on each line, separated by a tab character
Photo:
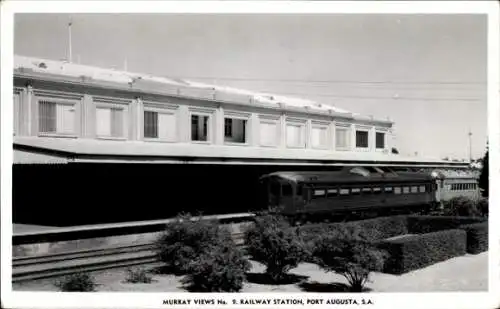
484	177
184	239
221	267
138	275
272	242
348	256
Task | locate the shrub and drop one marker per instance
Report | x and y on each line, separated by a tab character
477	237
417	251
138	275
349	256
461	206
184	239
219	268
79	282
275	244
483	206
428	224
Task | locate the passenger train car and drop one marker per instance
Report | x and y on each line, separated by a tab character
365	189
351	189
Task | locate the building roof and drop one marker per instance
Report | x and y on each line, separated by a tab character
92	150
64	68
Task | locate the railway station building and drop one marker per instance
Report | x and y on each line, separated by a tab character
146	147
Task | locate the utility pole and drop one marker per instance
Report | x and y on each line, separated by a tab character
470	146
69	41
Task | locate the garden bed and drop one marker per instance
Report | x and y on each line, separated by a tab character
413	242
465	273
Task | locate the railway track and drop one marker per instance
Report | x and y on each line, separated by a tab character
55	265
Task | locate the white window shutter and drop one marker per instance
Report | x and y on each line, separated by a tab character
65	118
103	121
167	126
268	133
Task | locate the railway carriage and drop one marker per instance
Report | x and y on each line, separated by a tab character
352	189
456	183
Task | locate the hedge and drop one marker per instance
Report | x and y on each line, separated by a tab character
477	237
417	251
428	224
371	229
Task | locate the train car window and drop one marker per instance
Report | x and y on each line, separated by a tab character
367	190
344	191
355	191
318	193
414	189
388	189
422	189
332	192
372	169
397	190
377	190
406	189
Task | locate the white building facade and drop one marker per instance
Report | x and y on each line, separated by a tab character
70	101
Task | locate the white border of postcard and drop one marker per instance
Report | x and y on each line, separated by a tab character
455	300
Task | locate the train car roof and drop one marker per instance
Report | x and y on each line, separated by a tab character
349	174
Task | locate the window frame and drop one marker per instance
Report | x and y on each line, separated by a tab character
125	120
367	131
384	133
269	119
347	129
166	110
210	125
321	125
303	135
237	116
59	101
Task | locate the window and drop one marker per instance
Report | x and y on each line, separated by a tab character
397	190
57	118
356	191
341	138
367	190
268	133
228	127
109	122
388	189
377	190
344	191
414	189
319	136
199	128
332	192
406	189
160	125
422	189
16	113
319	192
362	139
380	140
295	135
235	130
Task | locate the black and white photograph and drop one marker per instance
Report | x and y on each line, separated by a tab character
261	158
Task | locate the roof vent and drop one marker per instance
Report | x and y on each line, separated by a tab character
360	171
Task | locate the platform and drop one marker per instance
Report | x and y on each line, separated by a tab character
30	228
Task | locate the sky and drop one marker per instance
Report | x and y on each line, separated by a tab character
427	73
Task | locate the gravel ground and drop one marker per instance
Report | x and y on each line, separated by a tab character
465	273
